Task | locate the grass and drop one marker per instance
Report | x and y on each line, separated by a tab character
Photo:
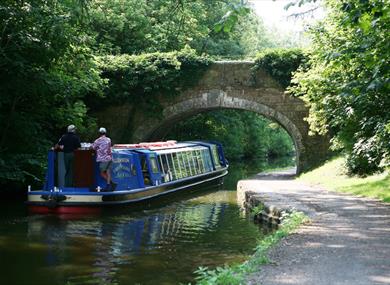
332	177
235	274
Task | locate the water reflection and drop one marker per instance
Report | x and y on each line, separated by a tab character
158	243
155	246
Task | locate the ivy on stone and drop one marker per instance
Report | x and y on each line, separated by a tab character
280	63
140	78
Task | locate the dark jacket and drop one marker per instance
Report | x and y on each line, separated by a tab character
70	141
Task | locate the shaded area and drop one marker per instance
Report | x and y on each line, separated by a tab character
347	242
243	134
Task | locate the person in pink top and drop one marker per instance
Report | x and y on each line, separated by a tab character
102	146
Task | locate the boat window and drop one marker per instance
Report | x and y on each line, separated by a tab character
188	163
143	164
145	172
172	166
184	162
177	165
195	164
207	160
182	165
200	161
163	166
215	156
153	165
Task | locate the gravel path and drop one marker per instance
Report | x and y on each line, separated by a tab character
347	241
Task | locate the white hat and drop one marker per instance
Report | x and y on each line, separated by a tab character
71	128
102	130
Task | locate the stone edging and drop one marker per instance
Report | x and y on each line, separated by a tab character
269	213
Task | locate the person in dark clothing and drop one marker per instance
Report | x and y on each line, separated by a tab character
68	143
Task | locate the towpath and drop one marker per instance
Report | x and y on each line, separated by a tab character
346	242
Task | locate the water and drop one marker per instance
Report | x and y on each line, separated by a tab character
156	243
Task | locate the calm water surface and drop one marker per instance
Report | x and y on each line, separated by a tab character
158	243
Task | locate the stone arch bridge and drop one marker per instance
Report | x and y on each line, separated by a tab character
224	85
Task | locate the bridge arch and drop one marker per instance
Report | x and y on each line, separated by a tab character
211	100
232	85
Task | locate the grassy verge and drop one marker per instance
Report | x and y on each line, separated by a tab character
332	176
235	274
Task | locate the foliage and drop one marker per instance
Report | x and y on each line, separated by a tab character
41	87
280	63
140	78
333	176
219	275
302	3
258	209
243	134
138	26
347	84
231	17
375	189
148	26
235	274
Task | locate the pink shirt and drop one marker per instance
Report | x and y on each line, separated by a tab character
102	145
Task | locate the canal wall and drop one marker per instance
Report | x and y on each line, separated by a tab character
273	195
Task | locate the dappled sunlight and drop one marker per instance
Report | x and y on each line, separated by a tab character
215	197
294	278
378	188
332	176
346	234
335	245
381	279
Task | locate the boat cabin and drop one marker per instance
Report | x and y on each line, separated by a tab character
137	165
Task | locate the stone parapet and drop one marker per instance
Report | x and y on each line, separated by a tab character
229	85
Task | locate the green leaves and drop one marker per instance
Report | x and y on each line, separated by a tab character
230	19
365	22
243	134
46	68
349	71
138	78
281	63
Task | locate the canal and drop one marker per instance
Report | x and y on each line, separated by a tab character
162	242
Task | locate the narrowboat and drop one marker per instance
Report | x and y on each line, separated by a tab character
140	171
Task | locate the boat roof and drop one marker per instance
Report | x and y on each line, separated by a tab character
159	146
147	145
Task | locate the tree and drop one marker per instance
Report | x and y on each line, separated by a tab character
45	70
244	134
214	27
347	83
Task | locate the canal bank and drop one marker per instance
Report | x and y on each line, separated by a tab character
346	242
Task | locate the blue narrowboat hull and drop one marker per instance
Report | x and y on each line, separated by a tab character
84	200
